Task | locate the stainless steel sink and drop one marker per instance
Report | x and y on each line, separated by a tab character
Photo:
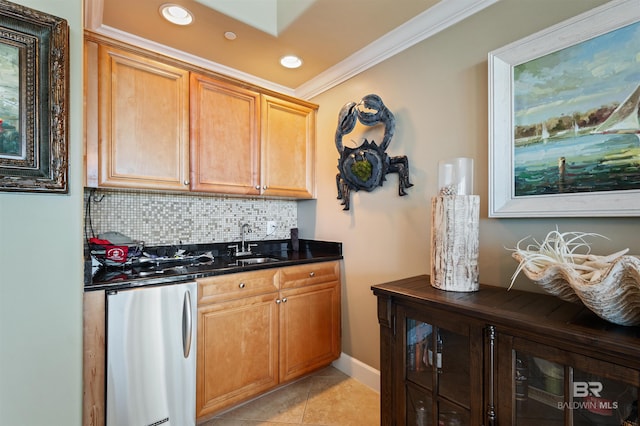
255	260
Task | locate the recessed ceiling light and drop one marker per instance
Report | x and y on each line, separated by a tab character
290	61
176	14
230	35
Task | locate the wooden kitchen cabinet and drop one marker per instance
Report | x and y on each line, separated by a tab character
137	120
244	142
259	329
309	318
94	358
256	331
498	357
153	122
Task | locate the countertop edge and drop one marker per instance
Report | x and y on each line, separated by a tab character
214	272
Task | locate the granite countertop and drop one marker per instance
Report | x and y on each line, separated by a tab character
134	275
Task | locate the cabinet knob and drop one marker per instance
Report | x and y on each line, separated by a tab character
186	183
258	187
312	274
264	187
241	285
278	301
284	300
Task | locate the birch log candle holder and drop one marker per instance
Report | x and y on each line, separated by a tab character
455	217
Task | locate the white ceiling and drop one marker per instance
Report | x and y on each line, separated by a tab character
270	16
336	39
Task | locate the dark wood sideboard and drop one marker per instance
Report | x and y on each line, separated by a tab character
501	357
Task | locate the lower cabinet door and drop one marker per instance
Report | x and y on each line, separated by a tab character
309	329
237	351
439	355
546	385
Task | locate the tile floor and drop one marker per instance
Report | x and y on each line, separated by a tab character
326	398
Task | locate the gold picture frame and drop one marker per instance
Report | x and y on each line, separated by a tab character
34	76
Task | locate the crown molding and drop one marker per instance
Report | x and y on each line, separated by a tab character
430	22
162	49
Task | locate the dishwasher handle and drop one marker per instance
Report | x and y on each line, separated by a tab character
187	324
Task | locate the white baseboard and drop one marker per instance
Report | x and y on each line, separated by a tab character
358	370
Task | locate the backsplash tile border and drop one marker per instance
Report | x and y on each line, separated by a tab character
159	218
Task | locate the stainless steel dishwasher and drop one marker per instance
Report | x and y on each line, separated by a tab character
151	352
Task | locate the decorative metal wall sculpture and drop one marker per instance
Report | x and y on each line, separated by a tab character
365	166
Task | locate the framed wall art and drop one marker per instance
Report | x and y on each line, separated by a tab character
34	68
564	124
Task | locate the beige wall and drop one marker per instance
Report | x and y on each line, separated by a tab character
438	93
41	278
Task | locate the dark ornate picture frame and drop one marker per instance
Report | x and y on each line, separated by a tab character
34	87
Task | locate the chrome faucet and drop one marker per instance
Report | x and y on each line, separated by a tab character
242	234
245	248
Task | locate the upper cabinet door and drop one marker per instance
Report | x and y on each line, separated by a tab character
143	115
225	144
288	148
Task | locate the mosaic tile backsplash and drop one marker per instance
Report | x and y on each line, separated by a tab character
164	219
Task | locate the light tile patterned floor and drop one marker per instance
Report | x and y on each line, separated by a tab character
326	398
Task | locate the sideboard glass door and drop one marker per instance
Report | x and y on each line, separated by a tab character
598	400
437	375
539	391
550	386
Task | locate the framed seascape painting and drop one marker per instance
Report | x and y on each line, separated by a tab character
564	123
34	68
